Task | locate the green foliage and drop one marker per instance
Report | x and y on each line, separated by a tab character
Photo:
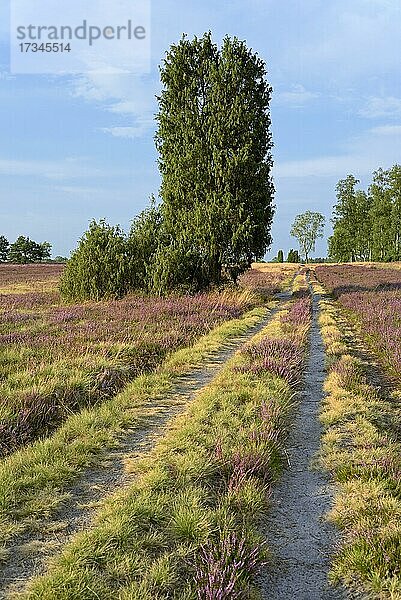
293	256
215	161
280	256
367	225
351	220
24	250
100	267
385	214
306	228
145	237
214	142
4	248
175	268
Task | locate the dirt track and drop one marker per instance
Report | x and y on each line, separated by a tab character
298	536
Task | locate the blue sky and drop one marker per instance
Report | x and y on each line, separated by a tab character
77	148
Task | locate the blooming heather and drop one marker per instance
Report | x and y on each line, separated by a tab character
225	568
103	345
374	296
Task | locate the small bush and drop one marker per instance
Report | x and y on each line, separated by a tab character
100	267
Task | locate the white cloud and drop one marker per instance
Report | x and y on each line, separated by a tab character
128	95
347	39
375	108
128	132
297	97
377	147
80	191
387	130
325	166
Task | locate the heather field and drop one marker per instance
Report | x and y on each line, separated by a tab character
373	295
361	417
57	358
187	525
158	448
29	277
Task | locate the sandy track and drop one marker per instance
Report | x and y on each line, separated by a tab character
300	539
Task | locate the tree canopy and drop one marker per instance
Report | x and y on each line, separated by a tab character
307	228
367	224
100	267
293	256
4	248
24	250
214	218
215	143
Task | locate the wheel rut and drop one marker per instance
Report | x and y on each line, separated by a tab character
299	537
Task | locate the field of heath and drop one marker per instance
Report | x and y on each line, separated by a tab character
372	295
187	524
56	359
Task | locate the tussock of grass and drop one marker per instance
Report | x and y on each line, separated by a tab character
360	448
187	527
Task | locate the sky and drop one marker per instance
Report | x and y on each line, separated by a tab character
78	147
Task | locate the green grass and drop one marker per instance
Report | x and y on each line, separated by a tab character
155	538
33	480
362	450
58	359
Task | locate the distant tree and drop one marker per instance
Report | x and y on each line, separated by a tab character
45	250
21	250
306	228
318	260
394	178
367	225
24	250
352	230
215	143
293	256
100	267
280	256
383	245
60	259
4	248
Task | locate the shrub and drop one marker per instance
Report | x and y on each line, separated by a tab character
100	267
175	268
144	239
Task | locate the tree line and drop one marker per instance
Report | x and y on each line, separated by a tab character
292	257
24	250
216	197
367	224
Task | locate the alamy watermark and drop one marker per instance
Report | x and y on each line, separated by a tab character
47	37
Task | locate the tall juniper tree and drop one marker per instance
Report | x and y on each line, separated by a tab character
215	160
